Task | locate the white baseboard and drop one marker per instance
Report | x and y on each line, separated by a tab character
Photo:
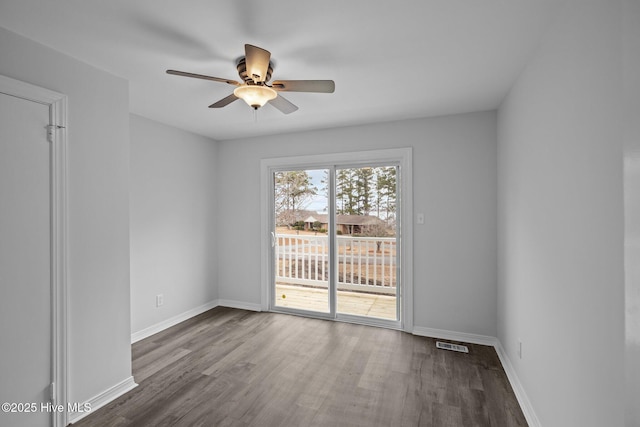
516	385
102	399
161	326
240	305
455	336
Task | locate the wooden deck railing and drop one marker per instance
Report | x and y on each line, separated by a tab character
366	264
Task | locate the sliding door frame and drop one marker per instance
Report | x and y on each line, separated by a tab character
401	157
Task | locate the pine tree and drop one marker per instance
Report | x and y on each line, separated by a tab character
364	186
346	192
293	192
361	191
386	192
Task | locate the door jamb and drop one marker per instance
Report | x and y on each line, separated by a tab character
57	104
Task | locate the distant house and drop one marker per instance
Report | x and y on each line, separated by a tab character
345	224
289	217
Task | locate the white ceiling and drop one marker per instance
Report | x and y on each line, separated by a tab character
389	59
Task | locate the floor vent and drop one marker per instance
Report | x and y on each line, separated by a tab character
452	347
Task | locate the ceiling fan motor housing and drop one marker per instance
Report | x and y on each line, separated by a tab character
242	72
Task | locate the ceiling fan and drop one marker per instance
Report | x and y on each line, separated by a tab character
255	70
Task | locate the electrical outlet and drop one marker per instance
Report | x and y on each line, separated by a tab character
159	300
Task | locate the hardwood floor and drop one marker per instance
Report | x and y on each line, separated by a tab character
230	367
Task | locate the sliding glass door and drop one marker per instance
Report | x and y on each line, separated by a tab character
300	239
335	242
366	242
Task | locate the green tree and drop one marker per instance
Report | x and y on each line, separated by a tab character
364	190
346	192
386	192
293	192
361	191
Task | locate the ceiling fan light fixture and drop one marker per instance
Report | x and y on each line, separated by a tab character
255	70
255	95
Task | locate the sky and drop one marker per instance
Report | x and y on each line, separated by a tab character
319	201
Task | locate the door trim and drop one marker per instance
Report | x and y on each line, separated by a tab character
57	104
402	156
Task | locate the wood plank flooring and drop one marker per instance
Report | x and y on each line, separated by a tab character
230	367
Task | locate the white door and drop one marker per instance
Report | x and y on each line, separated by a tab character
25	263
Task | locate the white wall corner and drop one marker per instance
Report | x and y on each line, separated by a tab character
161	326
239	305
172	321
100	400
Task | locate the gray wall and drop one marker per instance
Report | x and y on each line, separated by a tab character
173	221
454	182
631	127
560	216
98	206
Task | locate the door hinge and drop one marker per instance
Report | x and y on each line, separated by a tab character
50	131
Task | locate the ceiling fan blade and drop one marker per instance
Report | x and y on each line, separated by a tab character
202	76
283	104
224	101
321	86
257	60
